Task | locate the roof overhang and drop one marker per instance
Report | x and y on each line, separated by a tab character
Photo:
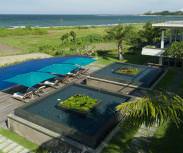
169	25
152	52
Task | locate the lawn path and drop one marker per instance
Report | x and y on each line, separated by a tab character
7	60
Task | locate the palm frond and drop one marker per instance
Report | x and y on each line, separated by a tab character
153	109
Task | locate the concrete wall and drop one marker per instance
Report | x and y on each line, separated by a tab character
30	131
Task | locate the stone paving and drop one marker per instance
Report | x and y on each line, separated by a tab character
9	146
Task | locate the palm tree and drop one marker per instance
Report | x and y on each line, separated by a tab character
119	33
65	38
73	35
153	109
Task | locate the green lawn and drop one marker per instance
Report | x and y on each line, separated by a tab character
107	57
18	139
172	81
30	42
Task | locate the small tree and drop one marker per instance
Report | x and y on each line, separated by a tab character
175	50
73	35
119	33
148	35
153	109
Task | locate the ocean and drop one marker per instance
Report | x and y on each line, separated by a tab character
78	20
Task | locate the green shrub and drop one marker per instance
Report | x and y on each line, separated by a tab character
53	50
92	38
79	103
175	50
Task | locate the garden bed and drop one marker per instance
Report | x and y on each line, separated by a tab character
79	104
128	71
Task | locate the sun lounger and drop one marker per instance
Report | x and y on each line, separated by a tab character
51	84
39	90
75	74
21	96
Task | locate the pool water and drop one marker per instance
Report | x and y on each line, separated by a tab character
95	124
35	65
145	78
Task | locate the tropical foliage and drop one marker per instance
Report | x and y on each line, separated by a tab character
119	34
79	103
148	35
175	50
153	109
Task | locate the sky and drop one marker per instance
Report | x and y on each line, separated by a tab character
87	6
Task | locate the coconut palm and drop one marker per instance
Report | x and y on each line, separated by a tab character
119	33
153	109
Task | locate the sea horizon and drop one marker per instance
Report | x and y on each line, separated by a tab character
62	20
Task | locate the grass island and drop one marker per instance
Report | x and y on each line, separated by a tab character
78	103
128	71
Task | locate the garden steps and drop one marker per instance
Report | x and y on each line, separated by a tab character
9	146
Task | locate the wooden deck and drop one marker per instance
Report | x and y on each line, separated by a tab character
7	106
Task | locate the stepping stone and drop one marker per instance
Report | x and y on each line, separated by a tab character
10	147
4	144
2	139
17	149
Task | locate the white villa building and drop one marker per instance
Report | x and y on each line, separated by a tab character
173	26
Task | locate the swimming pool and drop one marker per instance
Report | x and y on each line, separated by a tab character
35	65
89	130
145	77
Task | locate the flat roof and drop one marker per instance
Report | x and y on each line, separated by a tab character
169	24
152	52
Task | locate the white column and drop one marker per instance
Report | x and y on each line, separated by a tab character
163	39
171	34
162	46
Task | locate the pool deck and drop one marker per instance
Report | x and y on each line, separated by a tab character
9	104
